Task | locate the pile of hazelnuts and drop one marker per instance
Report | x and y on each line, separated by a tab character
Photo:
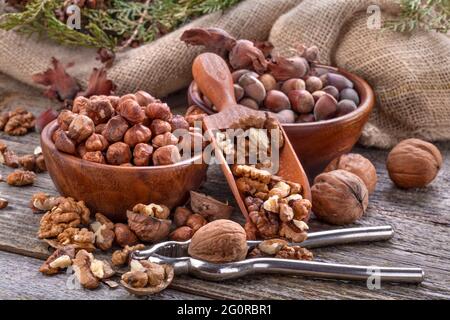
132	130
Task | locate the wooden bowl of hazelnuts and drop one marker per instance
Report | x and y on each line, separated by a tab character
323	109
114	152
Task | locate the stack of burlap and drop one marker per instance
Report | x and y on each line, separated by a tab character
410	73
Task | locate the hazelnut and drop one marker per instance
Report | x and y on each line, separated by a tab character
158	110
182	234
124	235
345	107
336	80
166	155
96	156
115	129
81	150
96	142
253	87
99	110
356	164
79	105
317	95
301	101
114	100
293	84
63	142
268	81
159	126
194	114
65	118
239	92
350	94
306	118
178	122
326	108
236	75
249	103
122	99
142	154
137	134
220	241
131	111
195	222
99	128
118	153
40	163
80	128
286	116
181	216
313	84
339	197
276	101
333	91
144	98
165	139
414	163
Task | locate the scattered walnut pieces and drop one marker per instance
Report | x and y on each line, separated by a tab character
121	257
103	230
60	259
17	122
89	271
3	203
80	238
67	214
42	202
21	178
10	159
146	278
280	249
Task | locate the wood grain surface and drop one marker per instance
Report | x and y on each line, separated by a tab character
421	219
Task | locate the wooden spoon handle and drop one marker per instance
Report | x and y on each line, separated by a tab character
214	80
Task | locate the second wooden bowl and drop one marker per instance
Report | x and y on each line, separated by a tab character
113	190
317	143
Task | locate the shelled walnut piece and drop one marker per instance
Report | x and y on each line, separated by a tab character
146	278
42	202
121	257
103	229
21	178
29	162
89	271
79	238
60	259
280	249
18	122
276	207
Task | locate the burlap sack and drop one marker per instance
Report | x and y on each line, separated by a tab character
410	73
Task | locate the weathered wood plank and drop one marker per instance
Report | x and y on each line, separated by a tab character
21	280
421	219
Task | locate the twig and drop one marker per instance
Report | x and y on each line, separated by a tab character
136	30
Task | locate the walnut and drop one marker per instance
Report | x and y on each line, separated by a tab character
251	231
302	208
253	204
294	253
165	139
144	98
96	142
103	230
153	210
3	146
142	154
210	208
121	257
118	153
96	157
181	216
115	129
132	111
267	224
253	173
272	247
272	205
292	232
251	187
178	122
4	117
65	118
166	155
136	279
137	134
339	197
99	110
82	268
60	259
158	278
220	241
148	228
21	178
81	128
158	110
286	212
356	164
280	189
182	234
64	143
195	222
67	214
42	202
10	159
40	163
28	162
414	163
80	238
20	122
124	235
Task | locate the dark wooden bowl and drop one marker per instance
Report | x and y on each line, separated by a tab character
317	143
112	190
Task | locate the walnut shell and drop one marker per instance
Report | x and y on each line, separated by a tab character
414	163
147	228
339	197
220	241
356	164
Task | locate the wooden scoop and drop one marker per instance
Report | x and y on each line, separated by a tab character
214	80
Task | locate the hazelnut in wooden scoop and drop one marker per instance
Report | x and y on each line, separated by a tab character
414	163
356	164
339	197
220	241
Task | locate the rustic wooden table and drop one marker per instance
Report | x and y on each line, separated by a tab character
421	219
